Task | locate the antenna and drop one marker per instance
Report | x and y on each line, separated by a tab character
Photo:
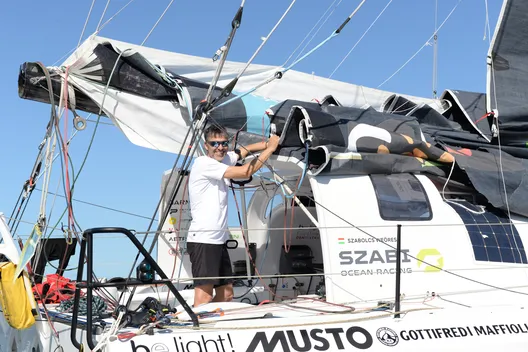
435	51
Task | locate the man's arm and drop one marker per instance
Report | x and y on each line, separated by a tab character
247	170
255	147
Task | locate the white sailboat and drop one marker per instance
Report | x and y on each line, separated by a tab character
404	215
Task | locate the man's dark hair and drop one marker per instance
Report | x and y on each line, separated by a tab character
215	130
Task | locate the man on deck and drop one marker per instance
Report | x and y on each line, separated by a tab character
208	232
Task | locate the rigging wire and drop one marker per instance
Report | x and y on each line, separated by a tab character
411	256
102	16
392	247
487	29
317	31
85	24
202	120
421	48
100	206
114	16
280	73
318	227
435	51
389	245
360	39
266	39
497	129
199	123
63	56
226	91
306	36
223	52
157	22
171	200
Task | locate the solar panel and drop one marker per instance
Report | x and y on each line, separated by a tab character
492	236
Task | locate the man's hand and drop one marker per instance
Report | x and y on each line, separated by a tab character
273	142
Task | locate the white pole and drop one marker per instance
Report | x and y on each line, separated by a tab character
308	214
245	234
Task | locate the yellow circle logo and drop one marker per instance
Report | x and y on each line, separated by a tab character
435	260
172	221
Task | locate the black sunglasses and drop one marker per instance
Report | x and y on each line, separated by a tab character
216	144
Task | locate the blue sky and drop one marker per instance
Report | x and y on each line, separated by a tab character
121	175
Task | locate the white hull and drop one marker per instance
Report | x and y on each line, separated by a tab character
469	304
422	326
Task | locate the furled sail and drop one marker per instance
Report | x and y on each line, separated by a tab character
151	95
143	100
508	73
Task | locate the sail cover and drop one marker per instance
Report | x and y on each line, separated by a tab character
353	130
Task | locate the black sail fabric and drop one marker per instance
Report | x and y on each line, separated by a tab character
508	72
400	136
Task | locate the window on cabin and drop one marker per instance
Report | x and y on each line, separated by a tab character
401	197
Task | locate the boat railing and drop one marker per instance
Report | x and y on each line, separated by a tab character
86	252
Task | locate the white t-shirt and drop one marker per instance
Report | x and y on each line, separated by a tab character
208	199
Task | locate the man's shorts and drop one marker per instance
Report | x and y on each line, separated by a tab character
210	260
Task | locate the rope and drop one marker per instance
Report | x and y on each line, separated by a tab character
98	306
381	315
93	134
107	337
65	145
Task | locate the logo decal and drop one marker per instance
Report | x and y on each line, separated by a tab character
435	265
387	336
